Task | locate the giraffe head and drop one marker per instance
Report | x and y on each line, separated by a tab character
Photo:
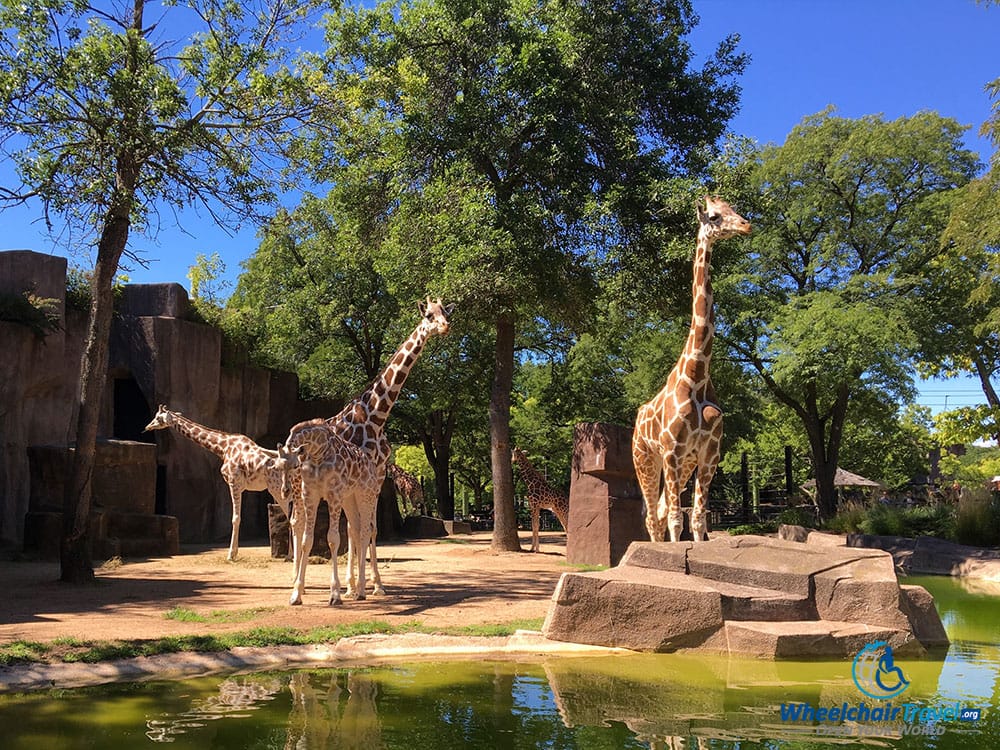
719	221
164	418
287	459
286	462
517	455
435	315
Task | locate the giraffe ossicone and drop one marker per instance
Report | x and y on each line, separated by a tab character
680	430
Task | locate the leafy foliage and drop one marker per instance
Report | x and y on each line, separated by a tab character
819	304
39	314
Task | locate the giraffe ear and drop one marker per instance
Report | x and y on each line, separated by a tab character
422	306
448	309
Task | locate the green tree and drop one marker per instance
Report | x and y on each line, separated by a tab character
108	122
847	214
524	140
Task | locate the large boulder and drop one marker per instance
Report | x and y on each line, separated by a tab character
750	595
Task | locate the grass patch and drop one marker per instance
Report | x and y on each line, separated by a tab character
449	540
584	567
217	616
72	650
21	651
490	629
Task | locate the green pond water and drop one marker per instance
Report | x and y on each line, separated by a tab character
642	701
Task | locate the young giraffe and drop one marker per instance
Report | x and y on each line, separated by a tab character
681	428
361	422
245	465
541	496
407	485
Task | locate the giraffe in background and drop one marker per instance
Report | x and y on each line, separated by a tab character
245	465
407	485
680	430
541	496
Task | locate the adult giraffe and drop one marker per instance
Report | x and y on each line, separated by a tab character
361	423
680	430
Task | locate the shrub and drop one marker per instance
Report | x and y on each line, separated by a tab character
848	519
39	314
977	519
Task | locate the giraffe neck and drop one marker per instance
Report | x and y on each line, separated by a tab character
697	355
384	390
213	440
531	473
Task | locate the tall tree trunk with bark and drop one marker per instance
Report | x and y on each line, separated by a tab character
437	447
505	537
75	547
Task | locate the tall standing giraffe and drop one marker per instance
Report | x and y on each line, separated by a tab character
541	496
245	465
680	430
361	422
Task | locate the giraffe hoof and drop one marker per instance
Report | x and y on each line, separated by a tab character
335	601
295	601
378	591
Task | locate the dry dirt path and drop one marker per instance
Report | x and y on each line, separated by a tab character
452	582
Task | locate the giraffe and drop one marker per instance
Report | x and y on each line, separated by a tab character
361	422
245	465
680	430
332	468
541	496
407	485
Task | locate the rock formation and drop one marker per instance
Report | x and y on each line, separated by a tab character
746	595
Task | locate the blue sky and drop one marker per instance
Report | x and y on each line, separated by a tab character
893	57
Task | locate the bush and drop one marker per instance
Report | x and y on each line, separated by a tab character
799	515
39	314
977	519
848	519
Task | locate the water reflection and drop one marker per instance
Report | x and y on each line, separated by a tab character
326	714
235	698
657	701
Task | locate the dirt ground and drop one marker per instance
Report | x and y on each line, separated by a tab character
440	582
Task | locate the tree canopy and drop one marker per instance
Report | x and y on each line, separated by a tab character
847	214
110	121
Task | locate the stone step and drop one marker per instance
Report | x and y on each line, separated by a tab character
808	639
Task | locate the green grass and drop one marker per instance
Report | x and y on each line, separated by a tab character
19	651
584	567
73	650
217	616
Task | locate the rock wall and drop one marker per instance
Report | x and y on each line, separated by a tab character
156	357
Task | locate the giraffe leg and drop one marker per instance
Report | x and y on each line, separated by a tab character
303	525
535	523
648	469
703	480
236	493
358	542
671	499
333	539
377	589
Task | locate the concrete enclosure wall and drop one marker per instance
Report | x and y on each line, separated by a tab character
157	357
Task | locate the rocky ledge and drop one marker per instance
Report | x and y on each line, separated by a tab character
747	595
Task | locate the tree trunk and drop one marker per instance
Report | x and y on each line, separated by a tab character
826	448
76	565
75	553
437	448
505	537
